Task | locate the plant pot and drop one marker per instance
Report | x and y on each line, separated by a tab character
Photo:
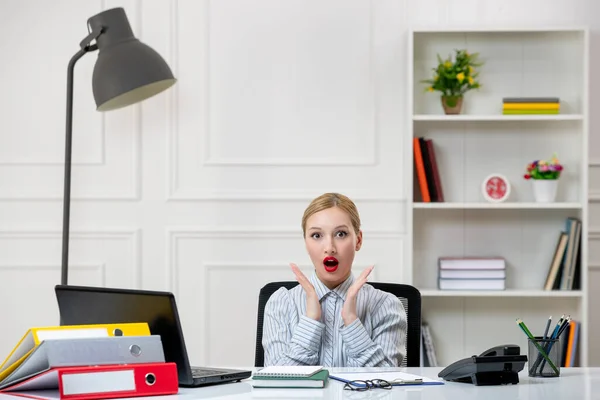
544	190
452	104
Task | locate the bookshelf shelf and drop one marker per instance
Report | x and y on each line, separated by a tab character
460	151
500	293
497	206
495	118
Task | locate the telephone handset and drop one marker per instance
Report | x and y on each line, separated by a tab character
499	365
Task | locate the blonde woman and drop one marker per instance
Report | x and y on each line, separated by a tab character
332	318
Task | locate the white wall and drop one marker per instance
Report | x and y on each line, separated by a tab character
200	190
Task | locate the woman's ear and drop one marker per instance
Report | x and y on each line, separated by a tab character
358	241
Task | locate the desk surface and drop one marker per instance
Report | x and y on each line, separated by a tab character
574	383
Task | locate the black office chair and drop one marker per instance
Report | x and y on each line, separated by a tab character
408	295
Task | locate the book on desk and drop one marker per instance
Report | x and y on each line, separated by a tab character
290	377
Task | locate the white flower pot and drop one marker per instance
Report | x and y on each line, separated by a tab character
544	190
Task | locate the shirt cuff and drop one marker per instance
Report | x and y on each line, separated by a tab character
355	337
308	333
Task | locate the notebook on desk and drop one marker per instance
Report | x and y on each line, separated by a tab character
96	305
290	377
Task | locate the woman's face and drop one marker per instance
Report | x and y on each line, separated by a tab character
331	243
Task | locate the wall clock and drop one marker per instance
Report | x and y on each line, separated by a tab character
495	188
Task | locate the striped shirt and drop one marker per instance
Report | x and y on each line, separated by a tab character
377	338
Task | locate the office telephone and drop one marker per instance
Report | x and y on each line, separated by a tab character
499	365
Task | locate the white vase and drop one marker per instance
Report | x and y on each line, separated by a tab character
544	190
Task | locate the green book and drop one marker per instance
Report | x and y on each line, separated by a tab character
317	380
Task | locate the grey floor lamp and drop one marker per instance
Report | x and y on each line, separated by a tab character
126	72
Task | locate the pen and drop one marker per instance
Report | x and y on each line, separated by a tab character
537	345
400	381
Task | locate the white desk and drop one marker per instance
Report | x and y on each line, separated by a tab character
574	383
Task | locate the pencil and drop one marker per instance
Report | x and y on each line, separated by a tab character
546	346
547	327
537	345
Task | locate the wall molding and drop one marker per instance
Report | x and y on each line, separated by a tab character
593	234
246	266
132	235
594	194
174	234
175	192
133	193
278	195
101	267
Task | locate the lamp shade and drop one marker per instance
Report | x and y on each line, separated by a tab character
127	71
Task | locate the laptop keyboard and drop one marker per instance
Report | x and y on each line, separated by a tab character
198	372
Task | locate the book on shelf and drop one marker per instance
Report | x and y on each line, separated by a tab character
471	273
428	356
565	266
569	341
530	105
426	172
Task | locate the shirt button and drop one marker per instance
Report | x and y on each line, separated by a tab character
330	319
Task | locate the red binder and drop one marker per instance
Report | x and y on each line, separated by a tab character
100	382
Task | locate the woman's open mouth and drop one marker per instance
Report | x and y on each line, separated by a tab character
330	264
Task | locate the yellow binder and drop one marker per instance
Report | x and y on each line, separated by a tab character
34	336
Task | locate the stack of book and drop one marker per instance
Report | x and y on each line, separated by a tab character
472	273
530	105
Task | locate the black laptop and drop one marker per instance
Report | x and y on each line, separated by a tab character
79	305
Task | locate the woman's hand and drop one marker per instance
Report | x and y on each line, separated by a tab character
349	308
313	307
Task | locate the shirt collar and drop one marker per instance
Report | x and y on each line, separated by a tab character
323	290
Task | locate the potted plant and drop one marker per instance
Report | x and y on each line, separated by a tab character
454	78
544	176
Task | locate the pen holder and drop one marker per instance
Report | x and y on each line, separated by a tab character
538	365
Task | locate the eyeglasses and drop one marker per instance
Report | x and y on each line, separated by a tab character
363	385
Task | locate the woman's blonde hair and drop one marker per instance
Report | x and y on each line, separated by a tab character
329	200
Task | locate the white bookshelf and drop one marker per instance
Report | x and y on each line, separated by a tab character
478	142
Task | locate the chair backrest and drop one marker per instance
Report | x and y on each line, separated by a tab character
408	295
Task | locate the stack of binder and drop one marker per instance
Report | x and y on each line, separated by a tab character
88	362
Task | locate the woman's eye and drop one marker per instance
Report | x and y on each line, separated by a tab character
315	235
341	234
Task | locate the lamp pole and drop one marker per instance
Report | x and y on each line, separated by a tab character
126	72
85	48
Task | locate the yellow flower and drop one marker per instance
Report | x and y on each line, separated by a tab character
436	78
471	70
430	88
471	80
541	162
460	76
448	64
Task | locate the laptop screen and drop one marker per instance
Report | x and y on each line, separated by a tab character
79	305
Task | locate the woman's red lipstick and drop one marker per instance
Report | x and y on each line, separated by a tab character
330	264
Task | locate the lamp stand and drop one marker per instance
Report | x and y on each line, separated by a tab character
86	47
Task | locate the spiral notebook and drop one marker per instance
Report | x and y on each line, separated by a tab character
291	371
